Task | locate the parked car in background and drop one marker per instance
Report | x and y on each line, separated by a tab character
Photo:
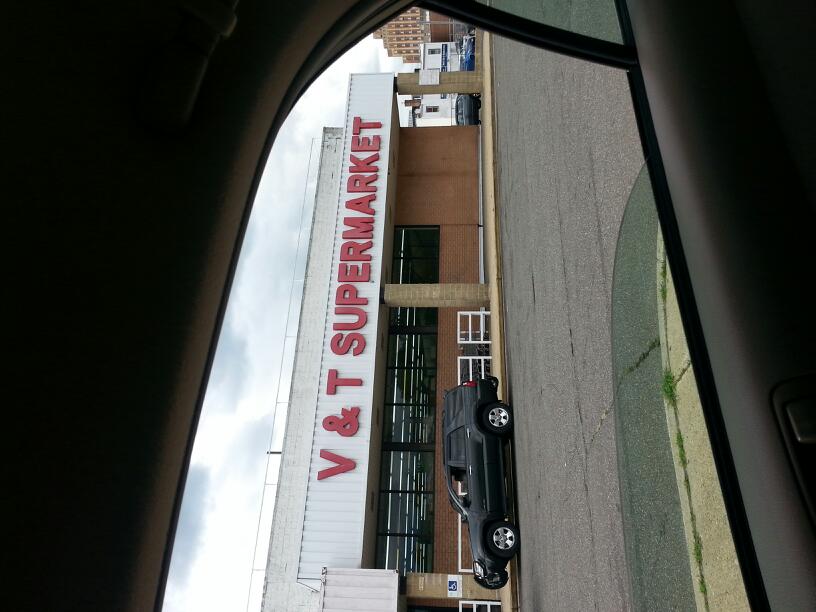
475	427
467	109
468	53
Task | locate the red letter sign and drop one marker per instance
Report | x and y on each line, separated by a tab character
346	425
335	381
343	465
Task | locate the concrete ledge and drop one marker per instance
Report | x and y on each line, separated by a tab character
463	82
436	586
443	295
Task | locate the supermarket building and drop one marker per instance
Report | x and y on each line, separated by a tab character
394	312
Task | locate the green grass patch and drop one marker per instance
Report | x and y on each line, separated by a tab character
669	387
681	449
698	550
663	277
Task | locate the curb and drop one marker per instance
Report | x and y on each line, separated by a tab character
493	270
712	559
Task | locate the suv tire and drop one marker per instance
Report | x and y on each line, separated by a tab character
502	539
497	418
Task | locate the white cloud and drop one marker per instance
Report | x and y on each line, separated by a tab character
211	564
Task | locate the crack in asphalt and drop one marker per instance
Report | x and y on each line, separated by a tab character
598	222
575	381
639	361
683	372
641	358
572	544
604	414
532	284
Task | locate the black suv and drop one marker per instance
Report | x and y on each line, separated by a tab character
475	424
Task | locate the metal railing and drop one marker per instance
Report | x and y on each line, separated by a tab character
474	367
473	337
472	605
473	327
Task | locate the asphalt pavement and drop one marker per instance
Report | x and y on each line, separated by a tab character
567	156
653	525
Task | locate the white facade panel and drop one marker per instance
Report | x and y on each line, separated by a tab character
339	458
347	590
320	522
282	592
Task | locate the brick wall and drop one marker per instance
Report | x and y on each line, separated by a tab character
438	168
437	184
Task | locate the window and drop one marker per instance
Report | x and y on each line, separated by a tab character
405	534
406	500
416	255
456	445
421	319
431	109
435	51
410	392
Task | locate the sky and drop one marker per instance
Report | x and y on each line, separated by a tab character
215	549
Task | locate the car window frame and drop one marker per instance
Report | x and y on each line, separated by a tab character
624	57
364	18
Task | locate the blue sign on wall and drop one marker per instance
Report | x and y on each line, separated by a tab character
454	585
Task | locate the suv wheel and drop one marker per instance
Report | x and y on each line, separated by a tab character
497	418
503	539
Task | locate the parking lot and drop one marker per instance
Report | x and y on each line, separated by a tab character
567	155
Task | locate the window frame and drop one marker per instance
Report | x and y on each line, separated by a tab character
387	446
624	56
398	258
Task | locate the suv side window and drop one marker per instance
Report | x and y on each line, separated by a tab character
456	447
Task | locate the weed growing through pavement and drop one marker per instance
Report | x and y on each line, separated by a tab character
663	275
669	387
681	449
